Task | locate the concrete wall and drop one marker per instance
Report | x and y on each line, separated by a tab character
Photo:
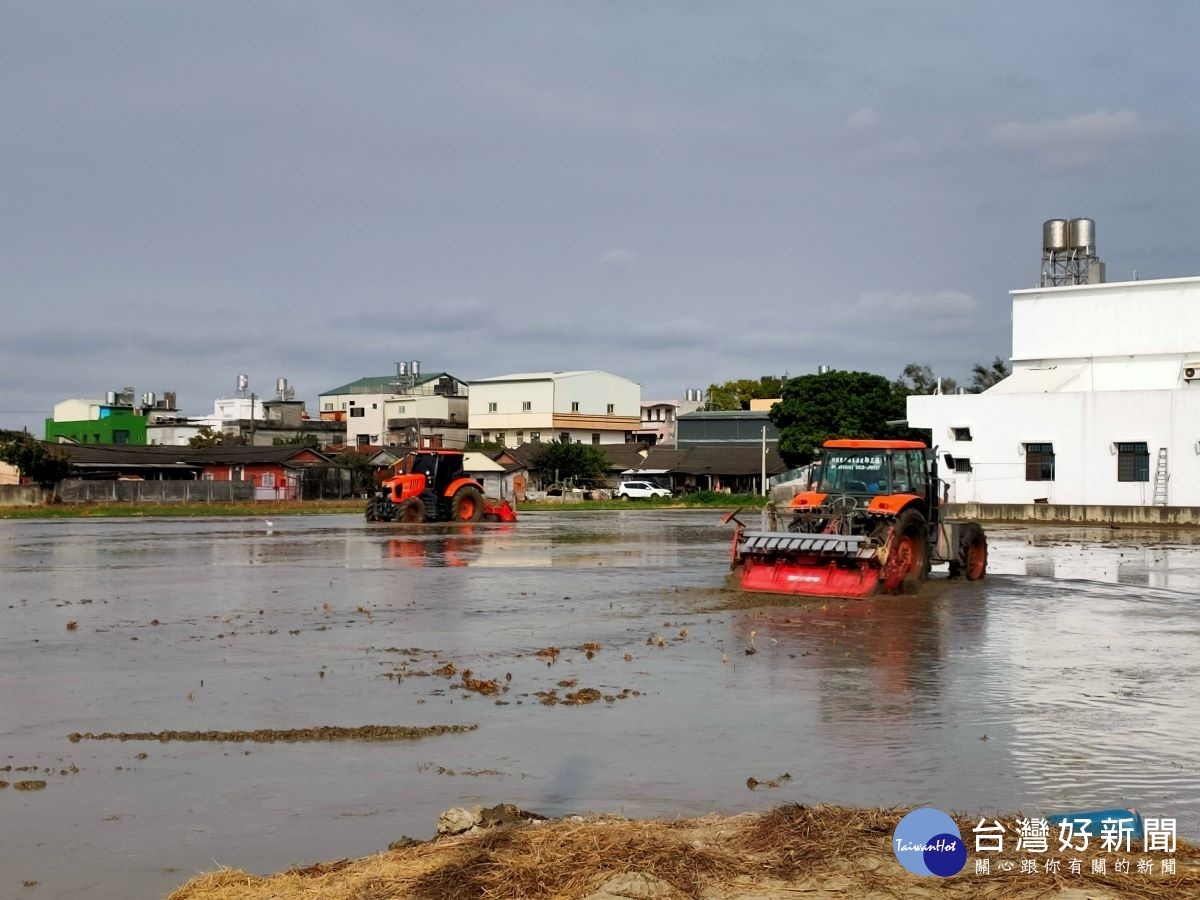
1075	515
22	495
75	490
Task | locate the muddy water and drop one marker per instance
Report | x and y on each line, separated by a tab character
1064	681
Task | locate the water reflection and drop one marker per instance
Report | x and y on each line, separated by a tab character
1065	679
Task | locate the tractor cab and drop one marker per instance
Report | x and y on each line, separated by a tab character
872	470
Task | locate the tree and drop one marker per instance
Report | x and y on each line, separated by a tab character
41	464
362	472
817	408
572	463
299	439
984	377
918	379
206	437
734	395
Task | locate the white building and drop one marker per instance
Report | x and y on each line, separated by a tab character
400	410
585	407
1102	406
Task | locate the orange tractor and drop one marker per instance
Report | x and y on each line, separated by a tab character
431	486
870	521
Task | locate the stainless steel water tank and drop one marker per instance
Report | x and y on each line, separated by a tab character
1055	234
1083	234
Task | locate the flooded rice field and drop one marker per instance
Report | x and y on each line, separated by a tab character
232	692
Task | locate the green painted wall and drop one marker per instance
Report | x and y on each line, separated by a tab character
115	428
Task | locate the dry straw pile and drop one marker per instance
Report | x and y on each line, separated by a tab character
792	852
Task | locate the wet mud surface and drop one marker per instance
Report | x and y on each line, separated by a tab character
607	667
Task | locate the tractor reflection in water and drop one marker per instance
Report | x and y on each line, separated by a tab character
449	547
872	521
431	486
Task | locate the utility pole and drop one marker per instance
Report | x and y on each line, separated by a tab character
764	460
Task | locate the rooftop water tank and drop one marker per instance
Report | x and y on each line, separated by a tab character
1083	234
1055	234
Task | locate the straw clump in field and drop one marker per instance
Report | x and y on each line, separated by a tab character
815	852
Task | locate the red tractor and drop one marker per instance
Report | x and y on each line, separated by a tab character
431	486
870	521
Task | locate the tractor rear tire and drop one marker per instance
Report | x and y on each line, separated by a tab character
466	505
970	561
908	553
412	511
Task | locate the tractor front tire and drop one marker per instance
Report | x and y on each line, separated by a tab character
466	505
908	553
970	561
412	511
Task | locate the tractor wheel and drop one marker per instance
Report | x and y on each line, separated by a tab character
971	559
908	553
466	505
372	512
411	511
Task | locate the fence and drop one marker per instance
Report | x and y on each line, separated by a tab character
76	490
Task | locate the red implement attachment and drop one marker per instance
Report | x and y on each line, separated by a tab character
501	511
816	565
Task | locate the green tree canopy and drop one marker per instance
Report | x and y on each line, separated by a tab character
40	463
734	395
206	437
818	408
983	377
573	463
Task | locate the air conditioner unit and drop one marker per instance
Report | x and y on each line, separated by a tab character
1191	371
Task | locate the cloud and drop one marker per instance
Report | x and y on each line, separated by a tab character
618	258
863	118
1100	126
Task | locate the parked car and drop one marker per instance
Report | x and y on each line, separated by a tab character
640	490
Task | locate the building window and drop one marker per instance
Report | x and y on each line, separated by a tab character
595	437
962	464
400	410
526	406
500	438
611	408
487	437
328	407
268	479
374	406
564	437
575	406
1133	462
520	437
535	436
357	412
351	402
962	434
363	440
120	436
1039	462
491	407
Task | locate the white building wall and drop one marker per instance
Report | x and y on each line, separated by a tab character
77	410
1132	318
1082	426
556	400
594	392
495	406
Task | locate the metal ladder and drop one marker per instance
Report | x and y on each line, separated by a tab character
1161	477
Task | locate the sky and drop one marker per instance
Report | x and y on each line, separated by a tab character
680	193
